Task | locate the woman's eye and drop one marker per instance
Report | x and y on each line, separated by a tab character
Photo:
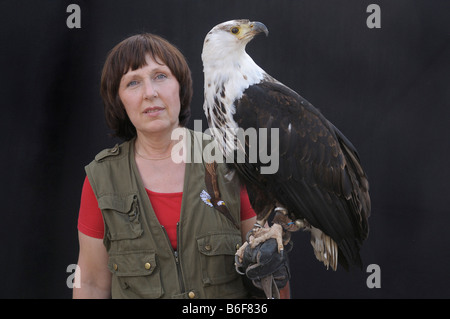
160	76
132	83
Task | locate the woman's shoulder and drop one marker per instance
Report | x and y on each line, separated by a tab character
117	151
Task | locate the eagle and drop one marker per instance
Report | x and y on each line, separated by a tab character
319	184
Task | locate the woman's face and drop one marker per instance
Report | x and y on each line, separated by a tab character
151	97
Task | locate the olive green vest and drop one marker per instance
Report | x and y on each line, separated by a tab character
141	258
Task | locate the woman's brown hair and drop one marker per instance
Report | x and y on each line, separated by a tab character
130	54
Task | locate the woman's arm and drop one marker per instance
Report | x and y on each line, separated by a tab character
246	226
92	271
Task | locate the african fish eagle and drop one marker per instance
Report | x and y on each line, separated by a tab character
320	183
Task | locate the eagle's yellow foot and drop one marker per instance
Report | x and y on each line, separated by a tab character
260	235
256	236
240	253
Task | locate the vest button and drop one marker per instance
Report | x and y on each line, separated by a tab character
115	267
208	247
191	294
147	266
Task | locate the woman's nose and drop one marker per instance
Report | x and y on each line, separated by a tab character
150	90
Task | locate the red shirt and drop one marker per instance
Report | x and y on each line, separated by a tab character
167	207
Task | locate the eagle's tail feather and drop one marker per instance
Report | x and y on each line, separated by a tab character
325	248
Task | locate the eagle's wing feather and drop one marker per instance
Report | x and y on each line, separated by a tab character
320	177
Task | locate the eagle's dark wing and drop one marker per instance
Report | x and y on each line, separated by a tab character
320	177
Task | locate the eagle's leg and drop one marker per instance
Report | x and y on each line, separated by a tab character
260	235
280	230
260	223
265	216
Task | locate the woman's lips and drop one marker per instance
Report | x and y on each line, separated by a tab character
153	111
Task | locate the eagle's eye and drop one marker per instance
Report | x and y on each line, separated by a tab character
235	30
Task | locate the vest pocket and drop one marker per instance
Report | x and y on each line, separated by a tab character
217	252
121	215
137	272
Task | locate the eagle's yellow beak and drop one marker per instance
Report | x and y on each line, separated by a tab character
249	30
258	27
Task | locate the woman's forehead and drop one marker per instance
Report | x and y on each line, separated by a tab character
150	63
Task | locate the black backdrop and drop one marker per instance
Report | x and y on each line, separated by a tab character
387	89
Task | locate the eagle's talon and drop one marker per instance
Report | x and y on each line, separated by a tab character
249	235
238	264
239	256
262	234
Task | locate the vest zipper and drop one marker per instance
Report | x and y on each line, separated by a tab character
177	261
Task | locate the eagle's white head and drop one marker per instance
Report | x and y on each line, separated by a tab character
228	70
228	39
224	51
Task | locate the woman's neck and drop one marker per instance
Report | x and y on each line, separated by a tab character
154	146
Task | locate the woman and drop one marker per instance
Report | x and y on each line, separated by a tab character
147	225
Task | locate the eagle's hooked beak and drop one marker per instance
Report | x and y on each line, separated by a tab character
258	27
